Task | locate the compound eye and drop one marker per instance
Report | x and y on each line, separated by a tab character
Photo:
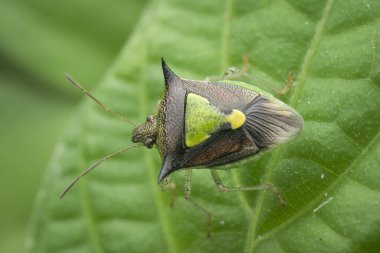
149	143
149	118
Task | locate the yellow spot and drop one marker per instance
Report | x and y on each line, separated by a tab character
236	119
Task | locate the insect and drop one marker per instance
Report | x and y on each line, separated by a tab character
205	124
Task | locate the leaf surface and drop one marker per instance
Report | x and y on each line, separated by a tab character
329	174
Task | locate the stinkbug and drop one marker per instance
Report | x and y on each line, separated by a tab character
206	124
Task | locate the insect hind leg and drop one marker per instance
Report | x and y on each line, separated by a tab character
187	191
286	88
219	183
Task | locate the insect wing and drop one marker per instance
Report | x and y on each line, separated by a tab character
271	122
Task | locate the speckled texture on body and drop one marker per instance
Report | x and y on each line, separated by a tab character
201	119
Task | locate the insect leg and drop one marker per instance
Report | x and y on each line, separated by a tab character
187	191
166	185
236	73
288	84
233	73
219	183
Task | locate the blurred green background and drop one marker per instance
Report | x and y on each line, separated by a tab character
39	41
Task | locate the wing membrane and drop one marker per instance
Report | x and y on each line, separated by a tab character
271	122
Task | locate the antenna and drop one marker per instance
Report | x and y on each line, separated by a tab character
86	92
94	166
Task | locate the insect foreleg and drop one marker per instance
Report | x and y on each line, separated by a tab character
166	185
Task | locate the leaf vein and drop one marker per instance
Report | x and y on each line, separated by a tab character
165	224
88	214
251	241
312	204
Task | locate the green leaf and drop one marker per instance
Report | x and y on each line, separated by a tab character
329	174
43	39
39	41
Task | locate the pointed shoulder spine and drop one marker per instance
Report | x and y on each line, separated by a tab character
166	170
170	77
